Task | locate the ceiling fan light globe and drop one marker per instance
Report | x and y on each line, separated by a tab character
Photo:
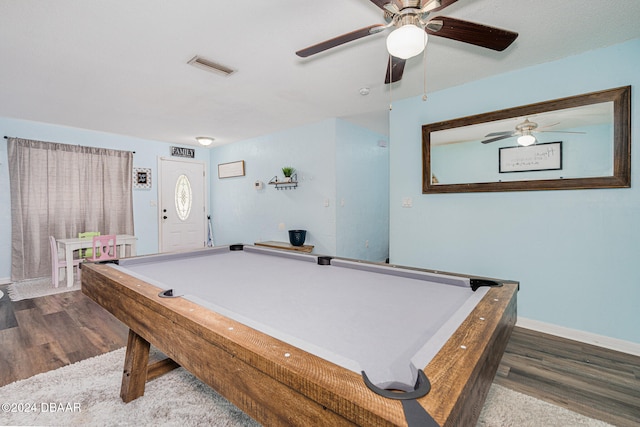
407	41
526	140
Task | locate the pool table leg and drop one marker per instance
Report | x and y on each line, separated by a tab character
137	369
136	360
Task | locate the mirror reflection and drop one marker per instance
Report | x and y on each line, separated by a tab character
478	153
569	143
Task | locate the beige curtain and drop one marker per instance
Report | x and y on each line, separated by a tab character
60	190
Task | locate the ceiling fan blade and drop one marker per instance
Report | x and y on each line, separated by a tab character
548	126
470	32
435	7
506	132
557	131
498	138
337	41
382	3
395	68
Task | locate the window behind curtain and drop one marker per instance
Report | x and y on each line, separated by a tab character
60	190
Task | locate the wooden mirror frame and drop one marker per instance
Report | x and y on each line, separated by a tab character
621	177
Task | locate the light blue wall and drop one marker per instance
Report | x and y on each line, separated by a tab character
147	153
575	252
341	200
242	214
362	165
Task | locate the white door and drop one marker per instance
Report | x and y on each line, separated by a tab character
182	205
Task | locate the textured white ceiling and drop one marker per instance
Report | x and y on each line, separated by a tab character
120	66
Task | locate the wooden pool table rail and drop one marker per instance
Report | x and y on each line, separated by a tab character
249	369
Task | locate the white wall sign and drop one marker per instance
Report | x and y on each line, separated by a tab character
228	170
538	157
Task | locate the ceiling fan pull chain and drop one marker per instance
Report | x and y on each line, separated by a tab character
424	63
390	86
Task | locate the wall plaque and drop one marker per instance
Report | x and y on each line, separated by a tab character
142	178
189	153
228	170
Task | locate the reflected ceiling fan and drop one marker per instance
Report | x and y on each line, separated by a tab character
412	25
525	130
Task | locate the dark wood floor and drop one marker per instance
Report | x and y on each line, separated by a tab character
42	334
46	333
590	380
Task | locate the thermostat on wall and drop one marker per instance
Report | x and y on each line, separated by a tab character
258	185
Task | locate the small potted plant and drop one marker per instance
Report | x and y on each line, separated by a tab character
287	171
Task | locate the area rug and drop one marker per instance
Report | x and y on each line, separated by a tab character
87	393
34	288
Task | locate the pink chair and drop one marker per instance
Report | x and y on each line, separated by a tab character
104	248
57	263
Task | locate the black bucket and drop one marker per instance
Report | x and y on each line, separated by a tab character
296	237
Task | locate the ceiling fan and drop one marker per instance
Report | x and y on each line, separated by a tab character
412	25
525	130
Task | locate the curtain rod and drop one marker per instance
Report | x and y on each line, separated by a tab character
7	137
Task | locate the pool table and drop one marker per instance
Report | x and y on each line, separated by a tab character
300	339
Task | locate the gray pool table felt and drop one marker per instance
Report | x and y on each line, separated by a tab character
379	322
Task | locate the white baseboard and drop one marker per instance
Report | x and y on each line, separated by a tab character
581	336
5	280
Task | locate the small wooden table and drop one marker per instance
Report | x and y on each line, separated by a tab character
285	246
69	245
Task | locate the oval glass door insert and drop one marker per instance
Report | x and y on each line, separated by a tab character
183	197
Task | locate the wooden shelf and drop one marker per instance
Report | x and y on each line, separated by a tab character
285	246
285	185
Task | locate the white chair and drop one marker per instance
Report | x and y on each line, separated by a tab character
57	263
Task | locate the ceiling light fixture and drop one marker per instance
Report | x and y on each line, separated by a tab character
205	140
407	41
526	140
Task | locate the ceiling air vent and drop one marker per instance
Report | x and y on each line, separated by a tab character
207	65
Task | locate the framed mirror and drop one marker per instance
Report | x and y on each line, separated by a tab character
578	142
